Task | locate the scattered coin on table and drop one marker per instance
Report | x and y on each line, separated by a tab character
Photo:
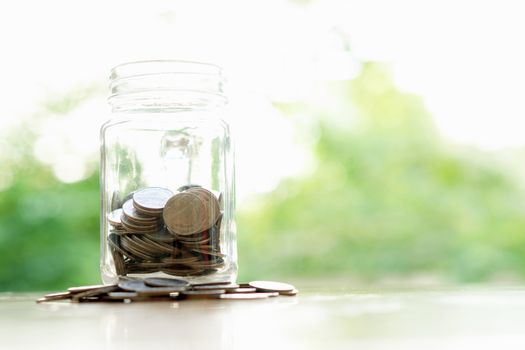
270	286
85	288
247	296
122	295
242	290
290	293
137	290
223	286
165	282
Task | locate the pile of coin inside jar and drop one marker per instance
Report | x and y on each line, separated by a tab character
156	230
171	289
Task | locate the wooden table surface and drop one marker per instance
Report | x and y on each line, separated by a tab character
457	318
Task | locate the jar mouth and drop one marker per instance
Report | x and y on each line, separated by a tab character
147	67
144	80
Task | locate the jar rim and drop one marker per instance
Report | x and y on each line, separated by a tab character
166	84
160	66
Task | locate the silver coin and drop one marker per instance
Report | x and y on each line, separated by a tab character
132	228
242	290
270	286
122	295
114	217
210	283
152	198
165	282
132	285
290	293
155	222
214	287
142	289
160	291
204	293
130	211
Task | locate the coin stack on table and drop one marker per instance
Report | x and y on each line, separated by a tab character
170	289
157	230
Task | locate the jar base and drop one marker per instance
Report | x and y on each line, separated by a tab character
227	275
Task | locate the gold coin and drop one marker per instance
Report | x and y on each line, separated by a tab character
55	296
94	292
207	195
188	213
201	190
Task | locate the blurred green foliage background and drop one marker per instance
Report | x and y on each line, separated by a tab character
387	198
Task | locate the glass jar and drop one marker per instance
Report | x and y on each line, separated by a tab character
167	175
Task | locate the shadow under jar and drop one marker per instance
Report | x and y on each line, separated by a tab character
167	175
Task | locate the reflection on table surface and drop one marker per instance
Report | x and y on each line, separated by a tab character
480	318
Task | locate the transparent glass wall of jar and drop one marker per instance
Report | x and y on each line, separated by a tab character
167	175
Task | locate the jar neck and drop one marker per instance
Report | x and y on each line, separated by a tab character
166	86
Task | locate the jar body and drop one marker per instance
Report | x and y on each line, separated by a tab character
168	196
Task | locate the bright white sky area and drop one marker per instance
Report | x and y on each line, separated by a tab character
465	58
